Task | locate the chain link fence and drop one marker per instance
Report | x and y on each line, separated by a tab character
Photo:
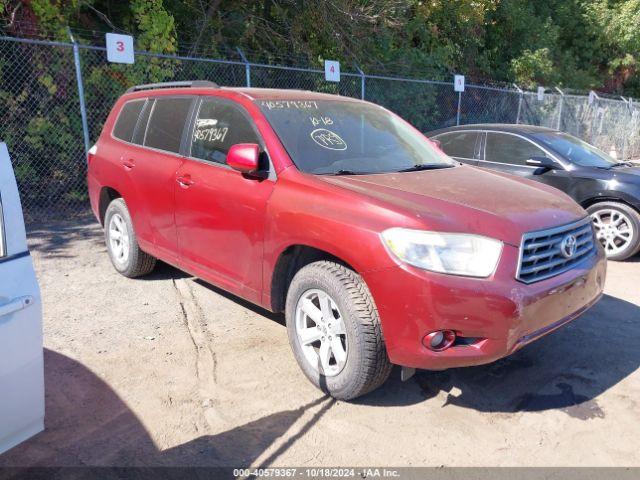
42	124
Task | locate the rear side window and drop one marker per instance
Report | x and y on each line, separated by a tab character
461	145
127	120
141	128
167	122
505	148
219	126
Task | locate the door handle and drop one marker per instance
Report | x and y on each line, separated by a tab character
128	164
185	181
16	305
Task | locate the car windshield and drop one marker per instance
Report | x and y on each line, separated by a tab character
575	150
349	138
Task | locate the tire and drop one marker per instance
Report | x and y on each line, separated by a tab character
353	312
619	242
126	255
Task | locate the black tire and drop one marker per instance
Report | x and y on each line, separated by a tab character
634	219
137	263
367	364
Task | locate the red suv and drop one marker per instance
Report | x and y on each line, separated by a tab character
379	248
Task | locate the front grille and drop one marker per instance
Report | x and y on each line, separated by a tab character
541	255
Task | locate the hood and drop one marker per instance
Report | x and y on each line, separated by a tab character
630	174
468	200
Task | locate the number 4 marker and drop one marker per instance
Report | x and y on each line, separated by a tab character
332	71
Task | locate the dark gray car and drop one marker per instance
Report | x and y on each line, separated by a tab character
608	189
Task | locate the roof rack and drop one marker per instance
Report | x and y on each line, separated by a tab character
190	84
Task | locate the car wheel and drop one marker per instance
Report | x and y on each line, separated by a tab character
335	332
617	228
122	245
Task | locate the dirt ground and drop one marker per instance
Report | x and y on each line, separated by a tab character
168	370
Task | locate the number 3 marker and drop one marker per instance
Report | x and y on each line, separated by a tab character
119	48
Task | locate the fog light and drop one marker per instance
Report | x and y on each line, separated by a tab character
436	340
439	340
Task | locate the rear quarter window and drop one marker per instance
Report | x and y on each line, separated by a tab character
127	119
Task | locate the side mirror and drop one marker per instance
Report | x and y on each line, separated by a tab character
244	157
543	163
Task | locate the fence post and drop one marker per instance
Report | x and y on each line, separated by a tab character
247	66
560	109
521	92
627	103
83	109
596	98
362	81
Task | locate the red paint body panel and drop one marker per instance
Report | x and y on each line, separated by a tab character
220	220
501	311
230	229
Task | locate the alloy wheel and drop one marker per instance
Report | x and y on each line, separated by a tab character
119	238
321	331
614	230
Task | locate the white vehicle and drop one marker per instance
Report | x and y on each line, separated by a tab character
21	359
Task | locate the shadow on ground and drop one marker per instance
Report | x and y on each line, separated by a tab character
88	424
56	239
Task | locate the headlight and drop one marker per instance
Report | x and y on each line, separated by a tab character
452	253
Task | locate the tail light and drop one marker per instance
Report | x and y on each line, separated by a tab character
91	153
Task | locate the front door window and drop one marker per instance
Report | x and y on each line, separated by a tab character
510	149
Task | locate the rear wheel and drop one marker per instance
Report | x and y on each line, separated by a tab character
617	228
122	244
334	330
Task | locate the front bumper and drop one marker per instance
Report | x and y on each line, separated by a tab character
500	313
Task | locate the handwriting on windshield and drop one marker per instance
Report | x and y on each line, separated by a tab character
296	104
328	139
315	121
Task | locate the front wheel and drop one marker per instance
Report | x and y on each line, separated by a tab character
617	228
335	332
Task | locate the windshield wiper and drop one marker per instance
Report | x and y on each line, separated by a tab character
622	164
344	172
425	166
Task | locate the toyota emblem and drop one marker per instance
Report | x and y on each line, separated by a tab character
568	246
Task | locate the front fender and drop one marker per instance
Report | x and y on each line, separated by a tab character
610	196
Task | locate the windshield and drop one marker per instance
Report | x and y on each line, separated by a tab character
339	137
577	151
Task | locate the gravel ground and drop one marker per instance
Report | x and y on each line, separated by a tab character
168	370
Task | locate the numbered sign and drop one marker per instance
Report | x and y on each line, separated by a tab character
119	48
331	71
541	93
458	83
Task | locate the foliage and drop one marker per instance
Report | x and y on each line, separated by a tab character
576	43
532	68
155	25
